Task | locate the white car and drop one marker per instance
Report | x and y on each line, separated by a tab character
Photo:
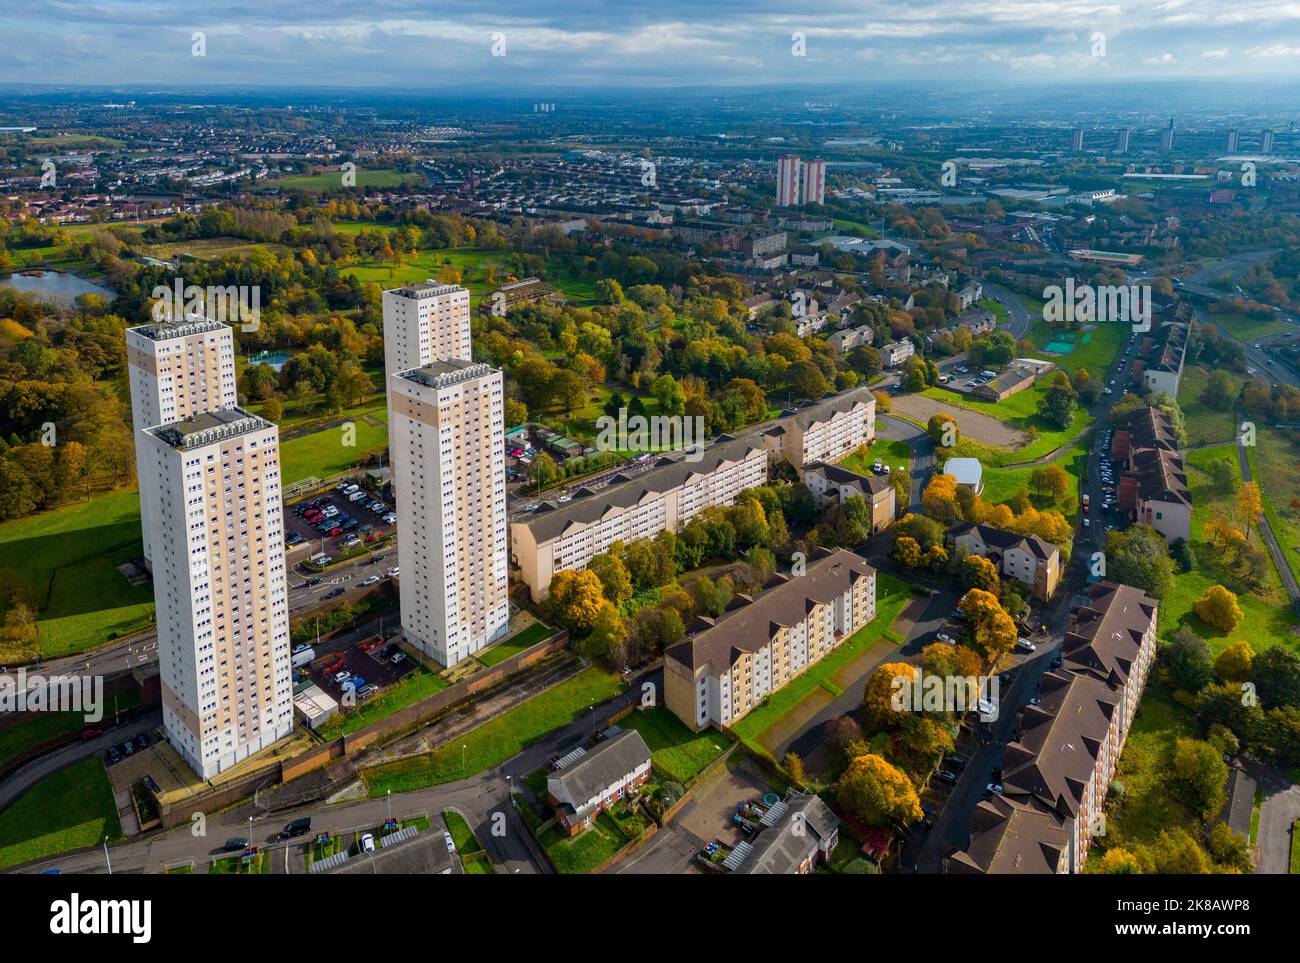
451	844
946	639
372	580
1026	646
341	677
994	787
391	518
367	843
395	571
1087	523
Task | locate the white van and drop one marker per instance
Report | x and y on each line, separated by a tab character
302	656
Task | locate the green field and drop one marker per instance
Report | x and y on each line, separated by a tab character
515	644
890	451
1275	465
48	725
68	810
1205	425
1267	619
498	739
323	454
892	597
1002	483
1245	328
66	560
678	753
1097	356
333	180
472	855
426	264
1020	411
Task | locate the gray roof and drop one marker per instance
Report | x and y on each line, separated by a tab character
839	475
780	849
551	520
1002	540
209	426
817	412
1104	636
601	767
1012	836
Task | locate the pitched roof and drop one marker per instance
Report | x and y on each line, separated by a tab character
1148	427
781	848
837	474
1161	475
552	519
819	412
602	766
1105	635
1003	540
1012	836
786	601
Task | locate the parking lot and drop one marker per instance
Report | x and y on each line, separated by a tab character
328	524
374	662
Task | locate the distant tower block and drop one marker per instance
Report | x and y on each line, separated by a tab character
787	181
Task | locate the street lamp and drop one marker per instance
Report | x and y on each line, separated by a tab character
106	859
390	804
463	747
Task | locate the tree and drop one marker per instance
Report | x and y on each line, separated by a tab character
1119	862
670	395
544	472
1234	664
605	642
1220	390
1187	659
793	766
609	291
907	552
1229	850
1276	673
575	599
1058	404
516	412
1174	852
1200	775
993	630
1219	608
980	573
1250	504
272	410
943	429
1051	481
878	793
1140	557
939	500
615	581
879	700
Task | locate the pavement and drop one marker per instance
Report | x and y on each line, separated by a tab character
1277	814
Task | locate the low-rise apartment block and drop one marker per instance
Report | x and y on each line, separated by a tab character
633	506
1154	490
896	352
1028	559
1159	364
846	339
759	644
1056	774
835	484
824	431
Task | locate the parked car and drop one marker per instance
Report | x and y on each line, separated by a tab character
994	787
314	580
391	518
366	691
113	755
299	827
91	732
451	844
341	677
394	571
235	844
142	741
293	538
946	777
398	657
372	580
367	843
1024	645
334	592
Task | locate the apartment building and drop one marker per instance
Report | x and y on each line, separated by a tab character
424	323
634	505
835	484
1159	366
823	431
1146	427
176	369
448	438
787	181
759	644
896	352
1026	558
846	339
813	182
217	534
1154	490
1056	774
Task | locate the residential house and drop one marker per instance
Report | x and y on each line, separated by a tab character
835	484
846	339
598	779
1154	491
798	833
896	352
1028	559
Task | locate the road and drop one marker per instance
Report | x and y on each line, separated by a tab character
482	798
922	461
1018	317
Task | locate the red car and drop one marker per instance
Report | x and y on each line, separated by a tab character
90	732
371	645
336	530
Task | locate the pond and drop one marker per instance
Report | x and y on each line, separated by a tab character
56	286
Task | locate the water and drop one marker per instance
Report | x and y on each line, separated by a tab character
56	286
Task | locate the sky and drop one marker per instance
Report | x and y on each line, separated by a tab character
517	44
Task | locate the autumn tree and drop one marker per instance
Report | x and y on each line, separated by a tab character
878	793
907	552
615	581
992	628
978	572
939	500
1235	663
575	599
1250	504
1219	608
878	697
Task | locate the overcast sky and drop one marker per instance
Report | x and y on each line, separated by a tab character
349	43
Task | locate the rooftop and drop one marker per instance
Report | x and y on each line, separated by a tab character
210	427
450	371
169	330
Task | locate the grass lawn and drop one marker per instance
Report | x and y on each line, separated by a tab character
68	810
47	725
1002	483
472	855
428	263
333	180
323	454
1274	464
1295	847
259	865
1205	425
1020	411
1267	618
417	685
66	560
498	739
677	753
1097	356
890	451
515	644
892	596
1245	328
1146	806
587	850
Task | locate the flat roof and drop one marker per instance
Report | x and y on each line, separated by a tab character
210	426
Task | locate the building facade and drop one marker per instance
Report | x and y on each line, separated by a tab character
217	532
558	537
758	645
448	437
787	181
425	323
824	431
177	369
1028	559
813	182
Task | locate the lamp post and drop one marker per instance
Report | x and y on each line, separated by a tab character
106	859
